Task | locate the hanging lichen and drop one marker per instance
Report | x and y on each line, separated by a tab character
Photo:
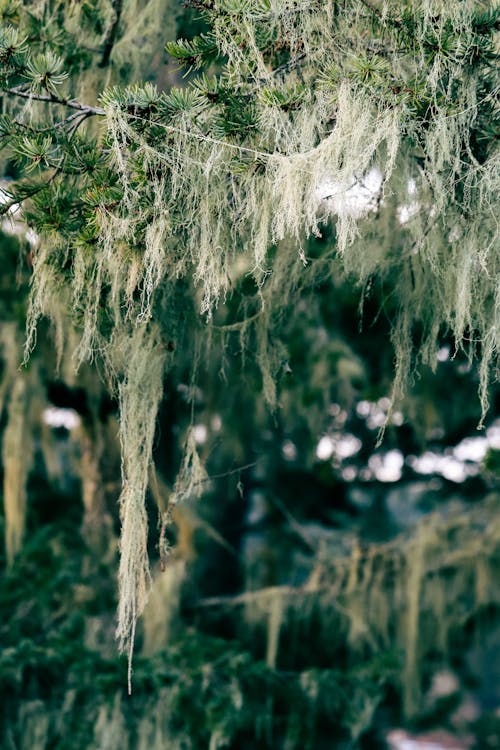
16	458
142	360
408	595
17	443
378	118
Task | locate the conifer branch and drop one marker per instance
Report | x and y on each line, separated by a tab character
73	122
6	207
71	103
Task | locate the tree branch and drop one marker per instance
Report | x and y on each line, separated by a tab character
110	39
5	207
71	103
73	122
295	62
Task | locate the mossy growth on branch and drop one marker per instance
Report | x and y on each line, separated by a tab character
377	117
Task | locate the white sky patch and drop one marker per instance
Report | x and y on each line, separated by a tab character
384	403
349	473
56	417
12	221
424	464
412	186
346	446
398	739
407	211
6	198
460	462
443	354
200	433
340	446
377	413
377	419
363	408
387	467
450	467
354	197
324	449
471	449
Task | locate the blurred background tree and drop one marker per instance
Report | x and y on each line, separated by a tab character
314	588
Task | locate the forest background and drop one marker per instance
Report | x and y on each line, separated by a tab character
315	583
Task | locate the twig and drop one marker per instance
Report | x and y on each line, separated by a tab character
372	8
238	325
269	592
77	119
71	103
248	596
212	532
290	65
56	126
227	473
5	207
293	523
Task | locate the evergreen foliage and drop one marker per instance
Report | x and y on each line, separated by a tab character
345	647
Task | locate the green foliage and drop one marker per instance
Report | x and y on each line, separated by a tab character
194	53
45	71
492	462
199	690
344	662
12	45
